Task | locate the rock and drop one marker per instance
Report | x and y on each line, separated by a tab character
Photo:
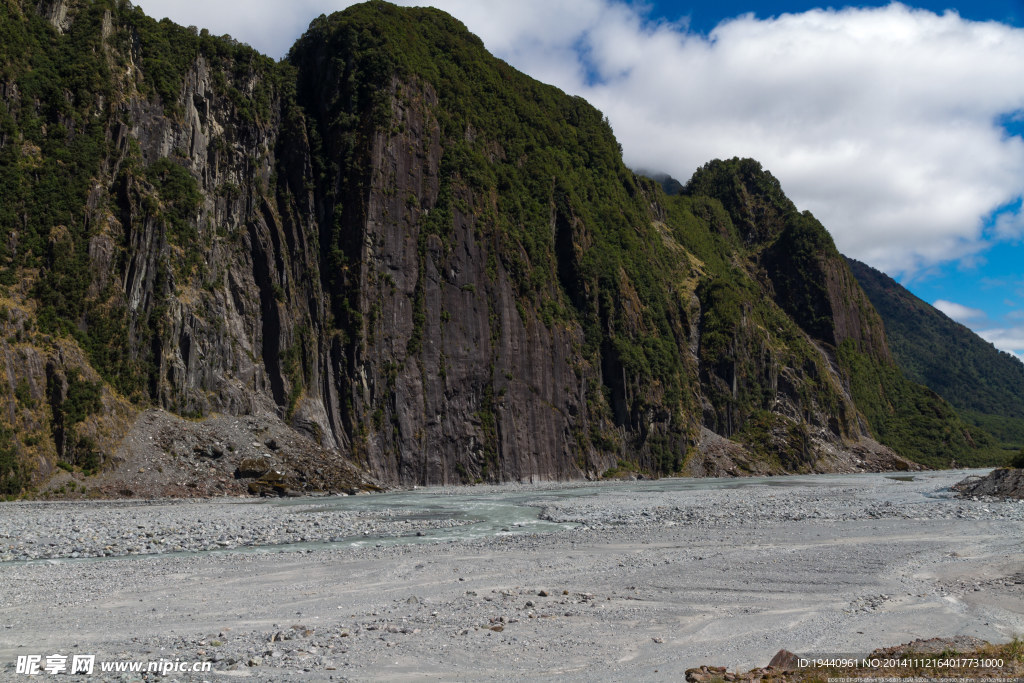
275	483
784	659
1002	483
933	646
249	468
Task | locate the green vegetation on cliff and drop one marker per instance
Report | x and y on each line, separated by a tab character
61	96
913	419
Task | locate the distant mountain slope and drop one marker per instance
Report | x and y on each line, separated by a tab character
986	385
669	185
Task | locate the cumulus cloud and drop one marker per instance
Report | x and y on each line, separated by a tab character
269	26
1008	224
882	121
1009	339
959	312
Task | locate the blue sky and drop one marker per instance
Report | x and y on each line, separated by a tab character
898	125
704	16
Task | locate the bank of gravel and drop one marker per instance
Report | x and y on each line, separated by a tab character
648	584
725	509
49	530
33	531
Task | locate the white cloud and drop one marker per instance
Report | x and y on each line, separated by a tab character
878	120
270	26
1009	339
882	121
1009	224
959	312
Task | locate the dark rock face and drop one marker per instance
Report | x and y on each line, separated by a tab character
340	245
446	380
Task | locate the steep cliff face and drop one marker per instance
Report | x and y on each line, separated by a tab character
809	278
144	224
402	250
453	258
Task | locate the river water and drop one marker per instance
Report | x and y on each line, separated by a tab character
432	515
487	511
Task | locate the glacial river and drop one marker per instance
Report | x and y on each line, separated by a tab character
488	511
97	531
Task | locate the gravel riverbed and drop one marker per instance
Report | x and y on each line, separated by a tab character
31	531
644	581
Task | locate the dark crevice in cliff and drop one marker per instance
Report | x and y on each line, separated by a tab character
155	350
568	268
274	231
613	374
55	397
270	318
340	370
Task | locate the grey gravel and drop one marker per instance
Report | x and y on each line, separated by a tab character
46	530
648	583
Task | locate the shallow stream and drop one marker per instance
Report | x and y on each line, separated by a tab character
494	511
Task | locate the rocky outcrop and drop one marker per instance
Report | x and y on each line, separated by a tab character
1006	482
446	378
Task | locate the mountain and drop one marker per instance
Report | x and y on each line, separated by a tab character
984	384
668	184
410	264
813	284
